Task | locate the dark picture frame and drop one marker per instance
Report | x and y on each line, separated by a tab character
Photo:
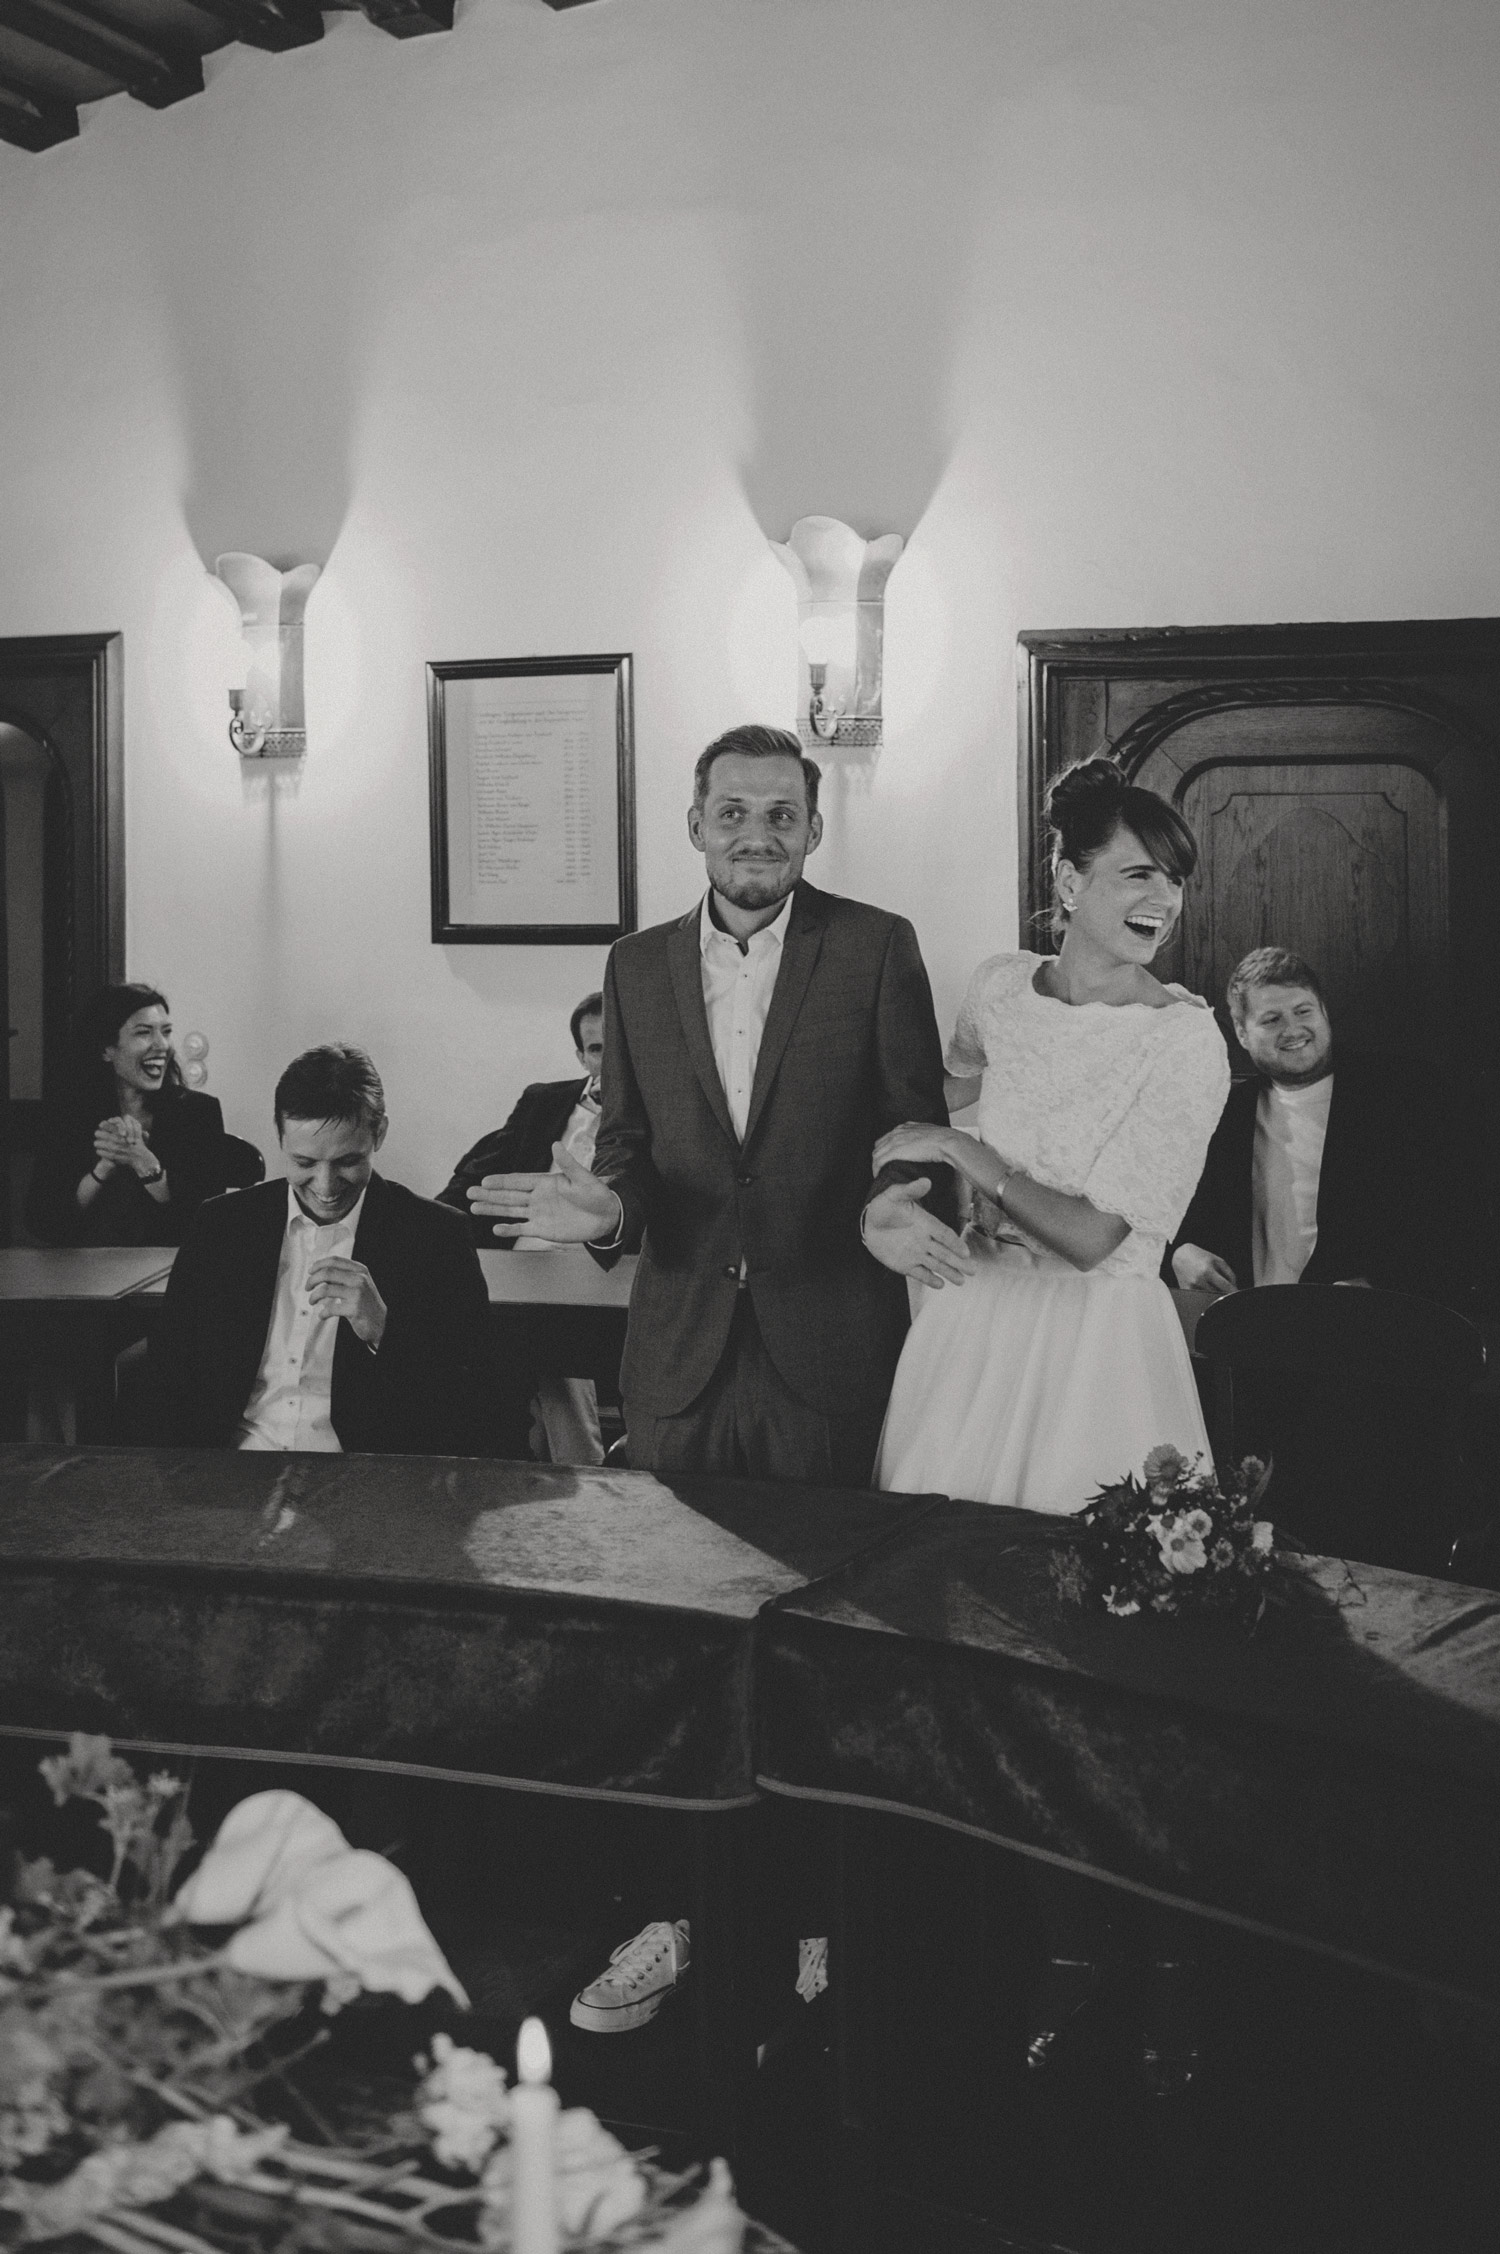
532	800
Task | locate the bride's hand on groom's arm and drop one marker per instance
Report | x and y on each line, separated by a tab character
920	1143
902	1235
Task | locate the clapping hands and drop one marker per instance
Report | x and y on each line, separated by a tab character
121	1142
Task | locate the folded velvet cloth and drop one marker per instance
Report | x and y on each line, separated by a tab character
308	1906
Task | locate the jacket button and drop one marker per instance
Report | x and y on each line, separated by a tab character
744	1180
730	1269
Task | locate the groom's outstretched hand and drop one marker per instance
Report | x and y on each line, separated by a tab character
570	1205
903	1235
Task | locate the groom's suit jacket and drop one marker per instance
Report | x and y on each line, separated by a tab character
850	1049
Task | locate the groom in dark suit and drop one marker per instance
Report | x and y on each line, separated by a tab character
757	1048
332	1311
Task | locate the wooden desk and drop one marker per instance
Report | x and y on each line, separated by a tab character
80	1275
66	1312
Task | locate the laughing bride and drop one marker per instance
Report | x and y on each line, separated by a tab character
1060	1363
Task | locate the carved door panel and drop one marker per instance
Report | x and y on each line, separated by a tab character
1322	830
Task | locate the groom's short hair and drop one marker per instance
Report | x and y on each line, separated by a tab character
752	741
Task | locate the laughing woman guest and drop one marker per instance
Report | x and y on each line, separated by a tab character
1060	1363
130	1154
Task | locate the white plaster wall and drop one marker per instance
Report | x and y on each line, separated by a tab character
1125	314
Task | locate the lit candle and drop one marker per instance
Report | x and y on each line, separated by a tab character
533	2120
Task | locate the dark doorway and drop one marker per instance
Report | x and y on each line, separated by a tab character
62	932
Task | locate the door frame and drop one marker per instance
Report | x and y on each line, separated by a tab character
67	690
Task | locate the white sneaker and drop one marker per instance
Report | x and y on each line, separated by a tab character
637	1981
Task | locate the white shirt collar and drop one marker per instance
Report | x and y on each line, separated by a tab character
774	932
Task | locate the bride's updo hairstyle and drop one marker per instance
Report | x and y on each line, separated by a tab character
1088	803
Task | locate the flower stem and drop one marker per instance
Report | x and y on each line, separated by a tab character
146	1976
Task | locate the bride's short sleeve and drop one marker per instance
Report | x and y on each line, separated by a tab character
1149	1165
966	1055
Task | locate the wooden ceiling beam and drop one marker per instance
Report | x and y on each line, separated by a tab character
74	29
409	19
273	24
30	120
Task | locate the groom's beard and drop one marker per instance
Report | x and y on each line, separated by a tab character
754	886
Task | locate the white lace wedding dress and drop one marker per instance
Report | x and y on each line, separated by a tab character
1033	1382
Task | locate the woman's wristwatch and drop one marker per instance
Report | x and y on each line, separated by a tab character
149	1181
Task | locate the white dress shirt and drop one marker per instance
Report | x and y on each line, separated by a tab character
290	1401
1290	1127
578	1139
737	990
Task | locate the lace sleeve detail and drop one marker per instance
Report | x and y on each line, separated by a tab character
1149	1168
967	1052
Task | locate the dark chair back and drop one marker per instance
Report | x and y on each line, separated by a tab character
244	1164
1358	1398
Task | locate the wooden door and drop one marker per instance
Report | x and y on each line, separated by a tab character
1344	787
61	862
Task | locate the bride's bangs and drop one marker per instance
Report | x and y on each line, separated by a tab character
1162	831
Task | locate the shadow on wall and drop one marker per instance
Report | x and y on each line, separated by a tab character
270	320
854	277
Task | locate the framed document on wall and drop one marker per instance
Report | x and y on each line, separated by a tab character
532	772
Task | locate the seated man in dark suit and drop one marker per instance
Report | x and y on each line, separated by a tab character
1319	1172
563	1411
549	1111
332	1311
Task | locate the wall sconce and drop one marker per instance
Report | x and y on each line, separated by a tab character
266	717
840	581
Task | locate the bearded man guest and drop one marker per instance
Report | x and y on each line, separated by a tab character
1325	1169
758	1047
331	1311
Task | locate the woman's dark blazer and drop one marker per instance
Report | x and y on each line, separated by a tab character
187	1135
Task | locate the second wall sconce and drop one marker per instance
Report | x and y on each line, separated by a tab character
840	581
266	716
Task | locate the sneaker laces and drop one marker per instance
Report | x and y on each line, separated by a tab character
637	1958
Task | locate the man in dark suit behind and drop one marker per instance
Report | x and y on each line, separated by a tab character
1323	1172
547	1112
756	1049
334	1311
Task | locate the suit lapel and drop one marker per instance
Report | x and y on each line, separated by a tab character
685	968
799	955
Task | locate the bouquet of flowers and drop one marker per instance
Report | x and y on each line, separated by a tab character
1178	1539
148	2095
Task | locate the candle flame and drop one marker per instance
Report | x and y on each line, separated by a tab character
533	2052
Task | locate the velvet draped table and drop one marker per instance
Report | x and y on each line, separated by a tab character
1333	1780
576	1631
